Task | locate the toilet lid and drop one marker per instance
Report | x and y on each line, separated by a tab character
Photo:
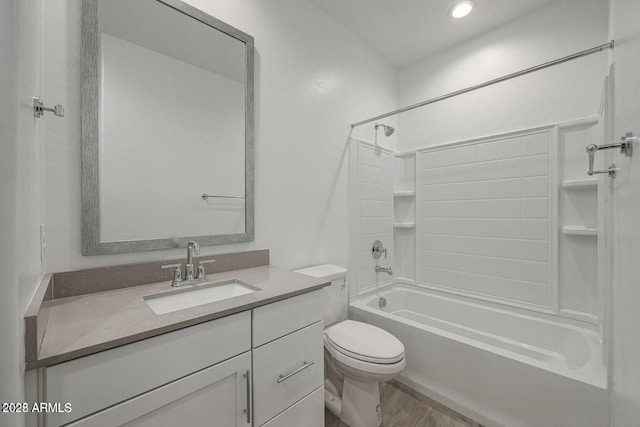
365	342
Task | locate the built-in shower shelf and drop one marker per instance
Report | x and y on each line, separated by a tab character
579	184
408	193
578	230
404	225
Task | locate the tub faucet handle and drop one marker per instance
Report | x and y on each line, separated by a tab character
377	250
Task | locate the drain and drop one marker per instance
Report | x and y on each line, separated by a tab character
382	302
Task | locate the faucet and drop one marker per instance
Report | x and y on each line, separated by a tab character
193	248
387	270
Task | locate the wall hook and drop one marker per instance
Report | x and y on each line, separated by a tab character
39	108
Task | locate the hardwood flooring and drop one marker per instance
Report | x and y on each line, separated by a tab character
405	407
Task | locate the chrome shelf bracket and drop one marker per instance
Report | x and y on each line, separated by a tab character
626	147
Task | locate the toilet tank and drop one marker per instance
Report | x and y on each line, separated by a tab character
335	297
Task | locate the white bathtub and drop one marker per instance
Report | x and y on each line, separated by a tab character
502	367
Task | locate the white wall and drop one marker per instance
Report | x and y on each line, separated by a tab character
30	161
568	91
10	383
312	79
21	189
626	292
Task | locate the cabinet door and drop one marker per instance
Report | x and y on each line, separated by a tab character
217	396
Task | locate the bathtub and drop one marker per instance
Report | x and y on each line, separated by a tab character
499	366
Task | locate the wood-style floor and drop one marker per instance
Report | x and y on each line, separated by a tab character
404	407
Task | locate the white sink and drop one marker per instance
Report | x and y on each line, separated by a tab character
194	295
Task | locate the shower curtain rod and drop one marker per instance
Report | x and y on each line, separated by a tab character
596	49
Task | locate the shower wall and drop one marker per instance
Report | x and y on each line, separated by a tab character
371	178
515	219
530	233
484	218
511	219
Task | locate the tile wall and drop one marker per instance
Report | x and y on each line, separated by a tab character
375	203
484	218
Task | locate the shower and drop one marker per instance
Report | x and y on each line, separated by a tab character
388	130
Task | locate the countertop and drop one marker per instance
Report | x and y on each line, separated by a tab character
81	325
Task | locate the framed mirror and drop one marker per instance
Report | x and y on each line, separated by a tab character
167	127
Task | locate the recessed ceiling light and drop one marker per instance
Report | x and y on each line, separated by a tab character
461	9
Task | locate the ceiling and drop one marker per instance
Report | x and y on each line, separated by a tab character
405	31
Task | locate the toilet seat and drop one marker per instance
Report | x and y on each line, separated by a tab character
365	342
365	348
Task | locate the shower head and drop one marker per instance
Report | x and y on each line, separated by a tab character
388	130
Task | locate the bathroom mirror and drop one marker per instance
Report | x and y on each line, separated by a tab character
167	127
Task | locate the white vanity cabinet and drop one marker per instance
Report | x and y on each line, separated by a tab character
258	367
288	362
218	395
178	373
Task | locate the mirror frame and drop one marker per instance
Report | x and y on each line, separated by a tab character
90	60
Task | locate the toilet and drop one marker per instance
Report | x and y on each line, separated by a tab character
358	356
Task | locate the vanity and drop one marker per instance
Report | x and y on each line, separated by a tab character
107	359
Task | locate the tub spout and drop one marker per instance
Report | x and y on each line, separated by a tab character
387	270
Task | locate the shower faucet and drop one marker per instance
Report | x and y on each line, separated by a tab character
387	270
377	250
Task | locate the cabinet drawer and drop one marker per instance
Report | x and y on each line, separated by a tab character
216	393
274	320
100	380
309	412
286	370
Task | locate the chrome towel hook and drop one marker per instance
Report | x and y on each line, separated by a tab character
626	147
39	108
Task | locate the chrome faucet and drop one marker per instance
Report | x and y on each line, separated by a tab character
193	248
387	270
